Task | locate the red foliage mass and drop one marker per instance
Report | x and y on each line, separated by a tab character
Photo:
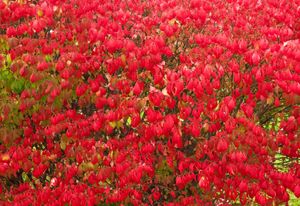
150	102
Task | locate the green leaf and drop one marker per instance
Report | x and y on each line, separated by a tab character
113	124
293	199
128	121
48	58
142	114
25	177
63	145
17	86
57	103
8	60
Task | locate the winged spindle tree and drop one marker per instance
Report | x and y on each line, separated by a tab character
149	102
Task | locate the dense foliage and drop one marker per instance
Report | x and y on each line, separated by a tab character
149	102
